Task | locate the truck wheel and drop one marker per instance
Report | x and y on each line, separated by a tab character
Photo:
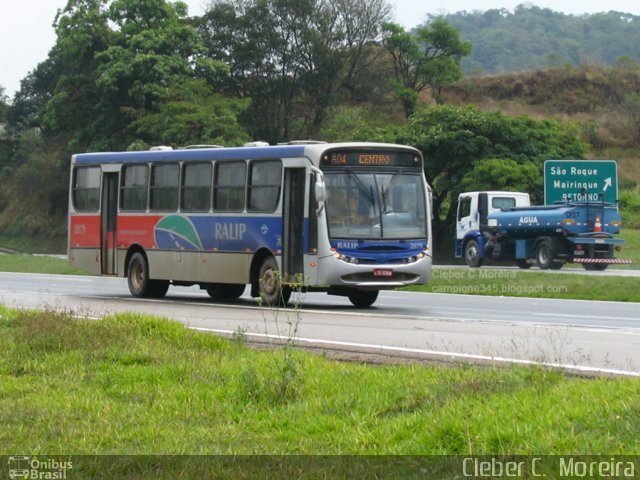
544	256
363	298
472	254
523	264
271	289
140	285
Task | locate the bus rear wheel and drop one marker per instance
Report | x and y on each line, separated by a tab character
272	292
363	298
140	285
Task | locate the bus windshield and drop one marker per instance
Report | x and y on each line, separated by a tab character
375	206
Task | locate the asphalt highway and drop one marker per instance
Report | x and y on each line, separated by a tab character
582	337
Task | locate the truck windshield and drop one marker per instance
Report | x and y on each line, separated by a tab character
373	206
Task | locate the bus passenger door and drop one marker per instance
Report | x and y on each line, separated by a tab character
109	214
293	223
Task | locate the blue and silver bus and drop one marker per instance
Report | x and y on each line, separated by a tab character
348	219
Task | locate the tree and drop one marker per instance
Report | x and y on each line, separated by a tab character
4	106
5	146
193	114
119	63
504	174
631	107
36	89
294	59
76	106
428	58
455	140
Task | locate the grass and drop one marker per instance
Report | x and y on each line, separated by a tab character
131	384
36	264
631	247
49	242
513	283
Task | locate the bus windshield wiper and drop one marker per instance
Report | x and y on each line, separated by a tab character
362	187
385	191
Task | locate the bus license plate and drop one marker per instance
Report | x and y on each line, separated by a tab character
383	272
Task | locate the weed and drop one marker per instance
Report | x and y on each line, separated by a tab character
288	376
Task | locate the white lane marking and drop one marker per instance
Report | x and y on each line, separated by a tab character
462	356
587	317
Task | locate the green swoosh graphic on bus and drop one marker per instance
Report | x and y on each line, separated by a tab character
178	228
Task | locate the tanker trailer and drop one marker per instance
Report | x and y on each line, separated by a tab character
548	235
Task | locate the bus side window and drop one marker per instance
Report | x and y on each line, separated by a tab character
196	187
229	186
165	179
134	187
86	189
264	185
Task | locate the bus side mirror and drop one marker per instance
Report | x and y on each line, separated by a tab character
320	192
319	189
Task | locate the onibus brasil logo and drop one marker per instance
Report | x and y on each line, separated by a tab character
34	468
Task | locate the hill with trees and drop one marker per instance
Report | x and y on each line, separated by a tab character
533	37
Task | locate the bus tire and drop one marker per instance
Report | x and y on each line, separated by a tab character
140	285
224	290
472	254
272	292
233	290
363	298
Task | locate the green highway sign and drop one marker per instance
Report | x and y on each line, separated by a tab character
580	181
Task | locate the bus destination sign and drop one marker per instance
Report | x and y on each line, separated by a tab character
378	158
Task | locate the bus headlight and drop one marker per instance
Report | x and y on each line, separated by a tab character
346	258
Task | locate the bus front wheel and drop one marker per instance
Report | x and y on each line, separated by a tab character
140	285
363	298
272	292
229	291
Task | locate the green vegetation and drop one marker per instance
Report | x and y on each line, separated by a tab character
427	57
456	141
533	37
537	284
631	247
35	264
140	385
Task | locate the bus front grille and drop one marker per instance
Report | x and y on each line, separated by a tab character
395	277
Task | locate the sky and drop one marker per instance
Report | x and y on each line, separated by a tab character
26	32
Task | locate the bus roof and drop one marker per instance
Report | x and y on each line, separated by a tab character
280	151
224	153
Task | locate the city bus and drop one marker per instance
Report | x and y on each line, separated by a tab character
347	219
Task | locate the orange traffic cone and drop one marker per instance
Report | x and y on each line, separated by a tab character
597	227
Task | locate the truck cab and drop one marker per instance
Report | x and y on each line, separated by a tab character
472	212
